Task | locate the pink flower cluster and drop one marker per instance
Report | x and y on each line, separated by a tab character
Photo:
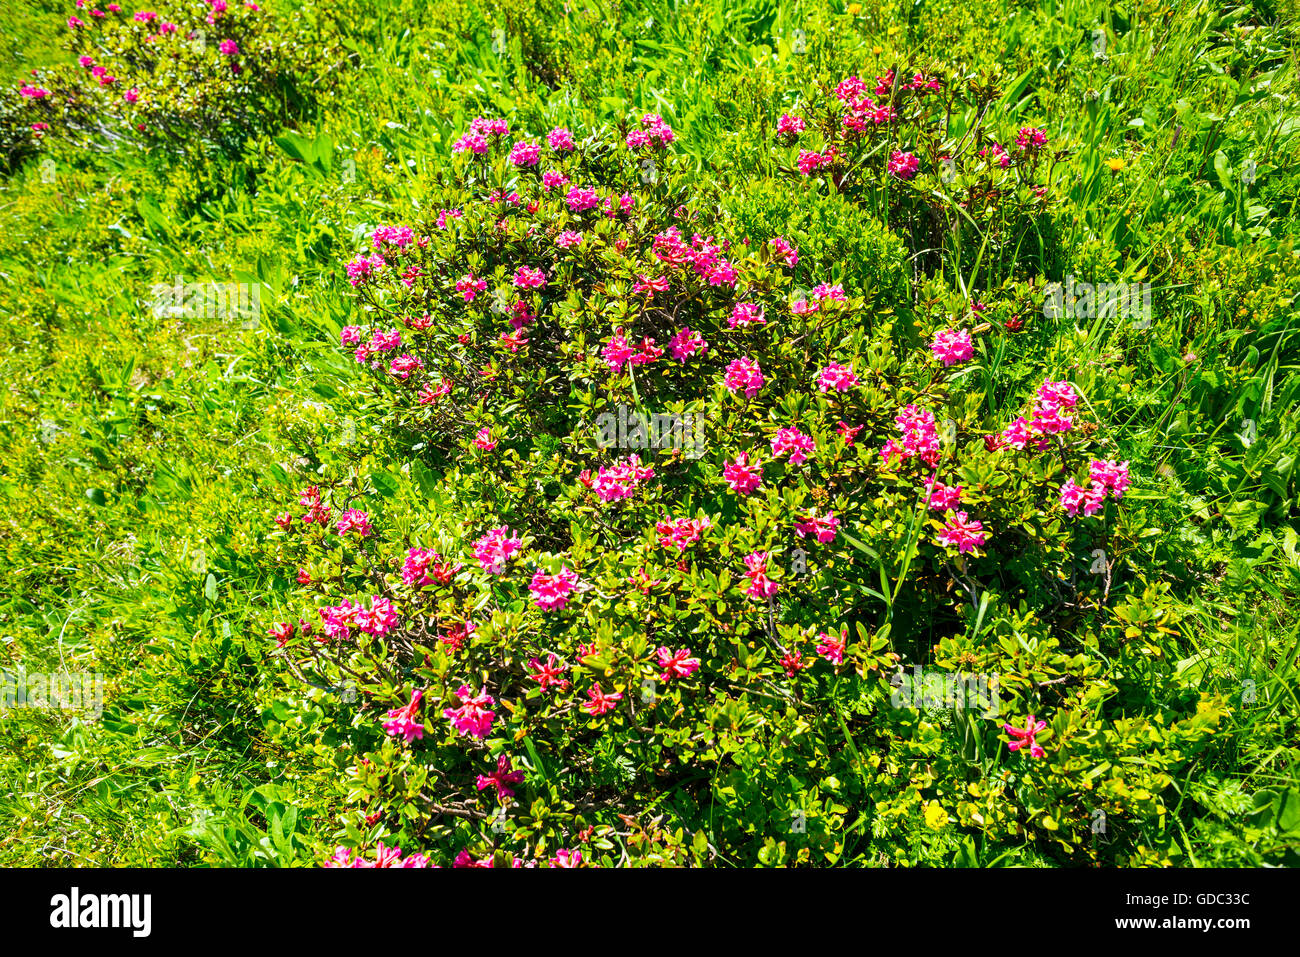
798	445
618	352
501	779
618	481
337	621
478	139
841	378
760	586
404	722
822	527
744	375
677	664
384	857
425	567
1026	737
743	477
903	165
681	533
552	591
951	346
654	133
686	344
1048	417
920	439
494	549
1105	477
472	718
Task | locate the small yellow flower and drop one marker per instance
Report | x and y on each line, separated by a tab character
893	31
877	50
854	9
1116	164
935	815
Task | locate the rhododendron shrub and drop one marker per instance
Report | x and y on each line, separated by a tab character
174	75
550	635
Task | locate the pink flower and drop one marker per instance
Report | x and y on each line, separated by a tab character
824	292
549	675
790	440
903	165
403	722
600	702
810	160
831	647
741	476
527	277
745	313
1031	138
470	287
760	586
560	139
951	346
404	365
430	394
281	632
472	717
1026	736
656	133
841	378
920	439
1075	499
568	239
228	48
681	533
848	432
943	497
962	534
789	125
822	527
354	520
501	779
424	567
744	374
525	154
996	154
552	179
379	619
1112	476
677	664
494	549
566	859
580	198
686	344
784	251
384	857
552	591
483	440
619	481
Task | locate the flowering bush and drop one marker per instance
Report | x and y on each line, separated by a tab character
561	632
181	76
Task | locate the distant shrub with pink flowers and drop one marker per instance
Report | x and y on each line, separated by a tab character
182	77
